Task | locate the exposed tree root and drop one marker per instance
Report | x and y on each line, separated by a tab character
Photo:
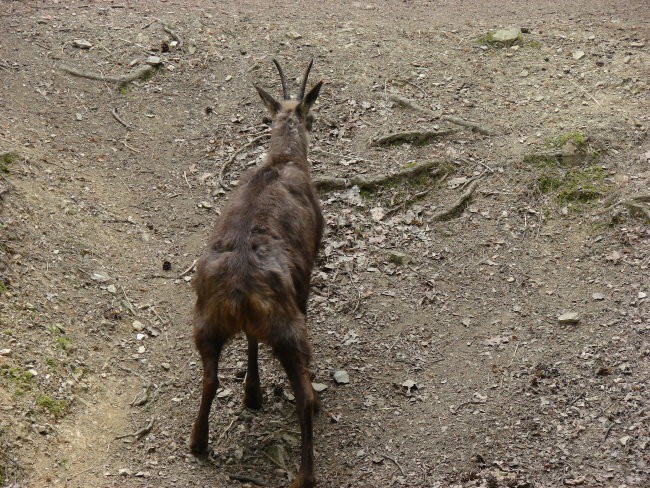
174	36
140	74
414	137
246	479
117	117
458	206
325	184
403	102
139	433
474	126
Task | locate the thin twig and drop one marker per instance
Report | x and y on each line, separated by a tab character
189	269
117	117
236	153
140	432
188	183
129	147
513	355
390	458
585	91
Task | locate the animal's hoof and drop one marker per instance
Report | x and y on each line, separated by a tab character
303	482
253	399
198	443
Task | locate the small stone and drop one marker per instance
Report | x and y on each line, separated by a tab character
507	36
82	44
539	98
408	384
225	393
5	352
78	116
111	289
624	440
139	336
100	276
318	387
137	325
377	214
154	60
569	318
205	204
293	35
341	377
141	350
124	472
637	44
165	366
524	73
598	296
578	55
642	294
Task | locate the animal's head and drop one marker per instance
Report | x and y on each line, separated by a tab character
289	108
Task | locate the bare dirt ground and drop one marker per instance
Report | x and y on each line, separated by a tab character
460	373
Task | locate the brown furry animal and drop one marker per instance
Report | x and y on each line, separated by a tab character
255	275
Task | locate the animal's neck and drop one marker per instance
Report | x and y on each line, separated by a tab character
288	143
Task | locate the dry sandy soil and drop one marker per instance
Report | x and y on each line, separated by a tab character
460	372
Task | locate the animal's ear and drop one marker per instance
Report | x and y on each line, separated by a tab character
271	103
310	98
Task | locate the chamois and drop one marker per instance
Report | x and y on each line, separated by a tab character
254	276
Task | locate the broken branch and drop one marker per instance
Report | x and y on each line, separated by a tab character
458	206
123	80
373	182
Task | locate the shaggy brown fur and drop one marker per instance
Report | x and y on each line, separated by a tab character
254	277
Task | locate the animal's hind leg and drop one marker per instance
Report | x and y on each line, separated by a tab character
252	387
294	352
210	349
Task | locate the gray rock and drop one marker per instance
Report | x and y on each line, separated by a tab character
341	377
318	387
598	296
82	44
100	276
578	55
569	318
399	258
507	36
154	60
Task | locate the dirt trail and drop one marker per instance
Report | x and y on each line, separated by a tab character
460	372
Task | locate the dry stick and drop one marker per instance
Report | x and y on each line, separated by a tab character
457	206
175	36
403	102
189	269
237	152
413	137
325	184
246	479
139	433
401	470
143	72
117	117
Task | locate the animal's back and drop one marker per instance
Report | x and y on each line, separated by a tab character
258	264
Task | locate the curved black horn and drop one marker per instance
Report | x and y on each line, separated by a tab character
304	80
285	92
